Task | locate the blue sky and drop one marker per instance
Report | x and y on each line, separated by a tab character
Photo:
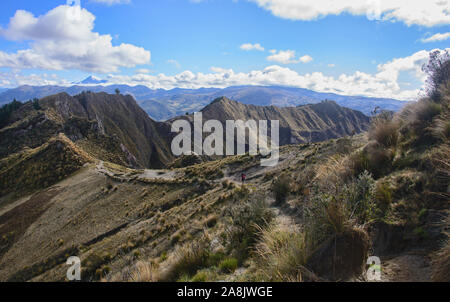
372	49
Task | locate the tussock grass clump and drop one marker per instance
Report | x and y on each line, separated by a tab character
145	272
281	187
282	255
385	132
142	271
373	158
417	120
186	260
425	111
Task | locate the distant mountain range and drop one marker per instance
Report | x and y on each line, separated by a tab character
163	104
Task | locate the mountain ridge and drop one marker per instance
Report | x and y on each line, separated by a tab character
163	104
301	124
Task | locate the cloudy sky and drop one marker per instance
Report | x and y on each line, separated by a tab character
354	47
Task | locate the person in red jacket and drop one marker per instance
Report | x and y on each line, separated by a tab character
243	177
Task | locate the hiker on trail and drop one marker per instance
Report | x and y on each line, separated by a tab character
243	177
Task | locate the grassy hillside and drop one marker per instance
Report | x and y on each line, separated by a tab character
316	216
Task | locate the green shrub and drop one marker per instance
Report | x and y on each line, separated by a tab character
359	198
228	265
332	213
247	220
215	258
383	196
200	277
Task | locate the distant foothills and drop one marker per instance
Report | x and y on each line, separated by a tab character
163	104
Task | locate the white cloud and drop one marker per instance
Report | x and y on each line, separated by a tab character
305	59
14	79
419	12
287	57
383	83
331	65
112	2
249	46
437	38
63	39
142	70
